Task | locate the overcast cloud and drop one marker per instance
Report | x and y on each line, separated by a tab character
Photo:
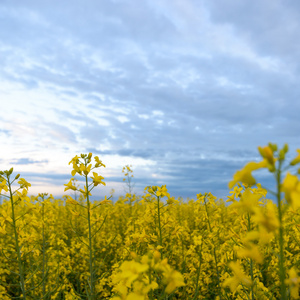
183	90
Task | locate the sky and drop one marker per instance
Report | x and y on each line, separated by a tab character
183	90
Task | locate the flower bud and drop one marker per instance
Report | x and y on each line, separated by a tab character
281	154
267	153
273	147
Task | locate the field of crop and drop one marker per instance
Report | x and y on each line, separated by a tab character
153	246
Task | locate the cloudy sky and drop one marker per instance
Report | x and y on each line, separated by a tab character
184	90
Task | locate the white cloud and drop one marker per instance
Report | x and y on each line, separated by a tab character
123	119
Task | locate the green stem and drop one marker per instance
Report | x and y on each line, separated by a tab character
43	246
198	273
251	261
214	251
17	246
92	281
281	234
159	222
150	281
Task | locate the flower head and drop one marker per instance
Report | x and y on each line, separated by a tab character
238	277
291	188
245	175
162	191
294	282
3	186
97	179
23	183
296	160
70	185
98	162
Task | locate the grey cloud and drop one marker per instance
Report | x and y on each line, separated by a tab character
270	26
131	58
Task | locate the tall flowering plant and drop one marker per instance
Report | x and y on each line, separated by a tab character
274	159
83	167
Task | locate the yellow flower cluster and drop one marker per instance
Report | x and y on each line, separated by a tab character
138	277
153	246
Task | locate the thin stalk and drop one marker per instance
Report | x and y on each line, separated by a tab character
43	247
214	251
17	246
251	261
198	273
159	222
150	281
281	234
92	281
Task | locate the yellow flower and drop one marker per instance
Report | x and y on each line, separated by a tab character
6	216
97	179
74	160
23	183
248	201
237	278
293	281
267	153
98	162
70	186
236	193
84	169
173	279
131	271
135	296
162	191
291	188
251	251
75	213
76	169
296	160
156	256
2	229
70	200
171	200
105	201
267	217
3	186
245	175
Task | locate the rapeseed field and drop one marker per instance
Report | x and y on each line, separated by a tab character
153	246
